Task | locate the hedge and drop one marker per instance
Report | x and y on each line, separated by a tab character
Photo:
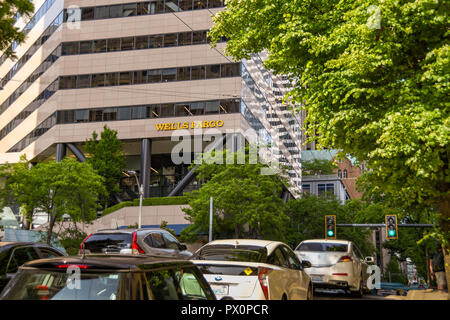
162	201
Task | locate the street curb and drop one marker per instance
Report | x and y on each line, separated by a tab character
428	294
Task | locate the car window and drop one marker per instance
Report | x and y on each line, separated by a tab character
292	259
48	253
357	252
4	259
322	247
226	252
277	258
157	240
149	240
37	284
19	256
113	242
171	284
171	241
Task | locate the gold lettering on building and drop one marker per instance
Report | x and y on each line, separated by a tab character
186	125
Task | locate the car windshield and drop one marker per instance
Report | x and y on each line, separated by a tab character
323	247
37	284
232	253
106	243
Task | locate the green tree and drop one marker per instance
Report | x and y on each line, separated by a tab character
318	167
307	221
373	78
9	9
246	203
107	158
57	188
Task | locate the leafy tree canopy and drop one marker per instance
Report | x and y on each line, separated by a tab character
246	203
8	32
318	167
373	77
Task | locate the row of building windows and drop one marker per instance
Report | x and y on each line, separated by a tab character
152	111
138	9
118	78
322	188
93	46
150	76
129	113
135	43
30	80
37	16
34	47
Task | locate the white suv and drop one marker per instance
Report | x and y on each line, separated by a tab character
336	264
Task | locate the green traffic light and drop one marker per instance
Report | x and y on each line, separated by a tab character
330	233
391	233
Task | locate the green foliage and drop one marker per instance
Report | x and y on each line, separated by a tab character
307	221
8	32
396	274
160	201
107	158
246	203
57	188
318	167
164	224
377	92
70	239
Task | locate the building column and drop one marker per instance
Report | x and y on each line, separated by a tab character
146	153
60	151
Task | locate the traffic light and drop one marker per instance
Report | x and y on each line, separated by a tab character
330	227
391	227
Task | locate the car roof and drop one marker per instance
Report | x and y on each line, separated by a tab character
130	231
327	240
269	244
107	261
22	243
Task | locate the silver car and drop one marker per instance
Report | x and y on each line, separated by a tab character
336	264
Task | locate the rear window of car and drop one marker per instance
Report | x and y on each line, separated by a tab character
104	242
40	284
323	247
229	270
232	253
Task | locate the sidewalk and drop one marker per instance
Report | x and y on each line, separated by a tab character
428	294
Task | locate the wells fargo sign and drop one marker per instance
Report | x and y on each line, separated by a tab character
189	125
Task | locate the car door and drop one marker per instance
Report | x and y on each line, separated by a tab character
362	265
45	253
300	282
356	277
18	256
279	278
158	244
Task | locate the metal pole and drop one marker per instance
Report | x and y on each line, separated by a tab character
210	218
141	194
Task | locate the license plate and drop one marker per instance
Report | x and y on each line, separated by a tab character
220	289
317	278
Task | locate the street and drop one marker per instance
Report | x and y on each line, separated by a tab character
322	294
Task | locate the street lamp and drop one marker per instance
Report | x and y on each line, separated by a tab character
141	195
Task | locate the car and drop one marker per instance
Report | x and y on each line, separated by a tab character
15	254
108	277
247	269
134	241
336	264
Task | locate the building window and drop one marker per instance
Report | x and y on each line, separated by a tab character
154	76
86	47
306	188
99	46
127	43
140	77
340	173
139	112
126	78
185	5
169	75
129	9
109	114
170	40
124	113
212	107
69	48
98	80
84	81
113	45
198	73
185	39
96	115
230	70
197	108
212	71
325	188
345	174
81	116
199	37
156	41
184	73
111	79
142	42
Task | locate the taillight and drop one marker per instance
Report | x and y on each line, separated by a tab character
67	266
264	281
345	259
82	244
134	246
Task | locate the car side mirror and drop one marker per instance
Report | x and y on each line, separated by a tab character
369	259
182	247
306	264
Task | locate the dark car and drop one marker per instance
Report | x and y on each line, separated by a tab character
157	242
15	254
108	277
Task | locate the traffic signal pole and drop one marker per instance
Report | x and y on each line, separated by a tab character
383	225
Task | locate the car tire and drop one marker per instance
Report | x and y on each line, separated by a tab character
310	293
359	293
